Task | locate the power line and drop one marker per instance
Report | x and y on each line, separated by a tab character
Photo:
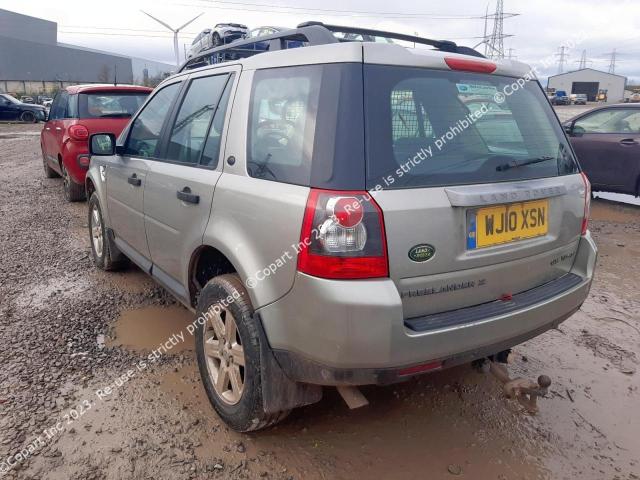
562	58
612	63
494	42
582	63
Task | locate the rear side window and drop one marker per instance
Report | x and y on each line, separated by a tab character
434	128
613	120
191	125
146	128
110	104
306	126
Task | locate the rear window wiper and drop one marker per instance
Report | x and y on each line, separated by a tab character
514	164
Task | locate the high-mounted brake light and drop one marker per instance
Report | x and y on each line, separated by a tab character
78	132
342	236
467	65
587	203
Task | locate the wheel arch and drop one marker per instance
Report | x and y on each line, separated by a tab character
205	263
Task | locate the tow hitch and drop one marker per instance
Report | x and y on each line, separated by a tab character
525	391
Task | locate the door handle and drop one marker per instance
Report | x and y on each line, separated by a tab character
134	180
186	196
628	141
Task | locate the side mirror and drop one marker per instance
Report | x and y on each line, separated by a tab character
102	144
578	131
568	128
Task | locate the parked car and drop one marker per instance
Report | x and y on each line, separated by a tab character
77	112
607	143
262	31
560	98
27	100
13	109
580	99
219	35
299	204
634	98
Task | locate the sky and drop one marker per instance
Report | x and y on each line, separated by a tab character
539	29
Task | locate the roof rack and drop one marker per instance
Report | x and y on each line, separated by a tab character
310	34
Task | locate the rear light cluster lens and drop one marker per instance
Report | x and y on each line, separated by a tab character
343	236
78	132
587	203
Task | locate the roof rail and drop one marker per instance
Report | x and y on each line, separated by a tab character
309	34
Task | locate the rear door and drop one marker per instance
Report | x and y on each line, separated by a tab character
480	193
607	143
127	175
180	185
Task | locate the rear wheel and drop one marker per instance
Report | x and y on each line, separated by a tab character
48	171
105	254
29	117
228	352
73	192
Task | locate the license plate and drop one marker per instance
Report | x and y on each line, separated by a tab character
507	223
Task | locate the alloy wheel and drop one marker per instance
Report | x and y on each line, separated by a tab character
96	231
224	354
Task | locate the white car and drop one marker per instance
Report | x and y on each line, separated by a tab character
219	35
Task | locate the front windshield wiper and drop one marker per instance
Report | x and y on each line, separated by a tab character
514	164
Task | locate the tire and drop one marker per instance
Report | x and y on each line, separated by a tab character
29	117
48	171
241	409
106	255
217	41
73	192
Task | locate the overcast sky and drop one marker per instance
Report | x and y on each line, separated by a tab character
541	27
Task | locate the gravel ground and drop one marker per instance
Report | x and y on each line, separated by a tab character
72	337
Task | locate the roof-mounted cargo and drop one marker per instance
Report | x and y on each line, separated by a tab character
311	34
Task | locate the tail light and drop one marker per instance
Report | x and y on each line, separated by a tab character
467	65
587	203
78	132
342	236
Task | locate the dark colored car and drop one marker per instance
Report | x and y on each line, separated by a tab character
560	98
76	113
607	142
13	109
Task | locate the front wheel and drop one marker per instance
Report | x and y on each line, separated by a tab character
106	255
29	117
228	352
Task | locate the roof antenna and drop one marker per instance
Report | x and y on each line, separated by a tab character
115	75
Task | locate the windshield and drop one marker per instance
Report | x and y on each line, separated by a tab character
11	99
433	128
110	104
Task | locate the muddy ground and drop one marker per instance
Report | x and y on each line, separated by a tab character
68	332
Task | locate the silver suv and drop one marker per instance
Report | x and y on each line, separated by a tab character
345	213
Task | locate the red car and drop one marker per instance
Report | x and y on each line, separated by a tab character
76	113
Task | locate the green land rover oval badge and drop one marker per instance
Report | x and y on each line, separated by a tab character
422	252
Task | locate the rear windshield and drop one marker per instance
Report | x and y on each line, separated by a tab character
110	104
433	128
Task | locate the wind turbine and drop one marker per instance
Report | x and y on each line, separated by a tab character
175	32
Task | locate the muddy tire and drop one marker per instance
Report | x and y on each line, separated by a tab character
73	192
228	352
106	255
29	117
48	171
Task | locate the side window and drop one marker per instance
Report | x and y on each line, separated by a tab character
212	146
613	120
191	125
284	104
71	110
57	109
146	128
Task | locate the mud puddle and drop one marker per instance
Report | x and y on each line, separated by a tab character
145	329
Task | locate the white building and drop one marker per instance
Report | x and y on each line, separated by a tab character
590	81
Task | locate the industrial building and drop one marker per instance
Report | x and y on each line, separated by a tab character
590	82
33	62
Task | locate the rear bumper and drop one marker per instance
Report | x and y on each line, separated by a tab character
353	333
70	157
